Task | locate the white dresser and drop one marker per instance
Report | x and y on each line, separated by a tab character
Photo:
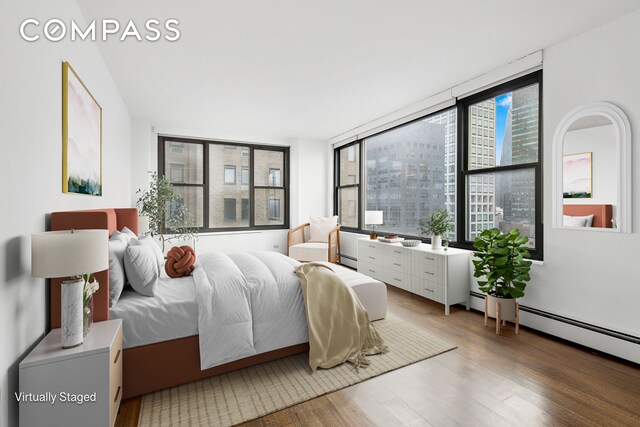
439	275
58	378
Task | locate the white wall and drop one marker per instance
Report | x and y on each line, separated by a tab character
31	168
590	276
587	276
600	141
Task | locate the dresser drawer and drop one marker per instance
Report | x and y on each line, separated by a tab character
372	270
115	376
399	280
402	265
396	251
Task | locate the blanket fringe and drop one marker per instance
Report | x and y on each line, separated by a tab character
373	344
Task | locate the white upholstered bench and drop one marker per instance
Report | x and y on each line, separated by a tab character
372	293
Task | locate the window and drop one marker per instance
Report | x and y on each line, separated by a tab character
244	209
480	160
229	209
274	209
506	176
347	191
214	177
406	187
229	174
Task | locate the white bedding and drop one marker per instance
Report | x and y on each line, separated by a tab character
171	314
251	302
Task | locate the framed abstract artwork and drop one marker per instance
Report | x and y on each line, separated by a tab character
81	137
576	176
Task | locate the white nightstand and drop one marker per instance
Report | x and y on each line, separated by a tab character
94	368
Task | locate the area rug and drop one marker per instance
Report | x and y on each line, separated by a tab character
253	392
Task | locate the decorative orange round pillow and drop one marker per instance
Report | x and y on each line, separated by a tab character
180	261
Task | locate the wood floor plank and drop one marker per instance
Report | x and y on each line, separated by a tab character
507	379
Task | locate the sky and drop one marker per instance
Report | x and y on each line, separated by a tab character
503	105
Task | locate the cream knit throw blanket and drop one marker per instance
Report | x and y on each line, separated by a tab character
339	326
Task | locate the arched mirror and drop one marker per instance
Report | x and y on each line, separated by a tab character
592	170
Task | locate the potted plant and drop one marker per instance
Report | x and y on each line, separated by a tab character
501	263
168	215
438	225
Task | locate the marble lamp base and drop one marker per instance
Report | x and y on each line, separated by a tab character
72	325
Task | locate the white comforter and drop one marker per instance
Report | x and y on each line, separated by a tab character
248	303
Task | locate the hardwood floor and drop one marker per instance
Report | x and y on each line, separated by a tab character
528	379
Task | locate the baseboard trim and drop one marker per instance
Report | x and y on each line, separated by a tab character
573	322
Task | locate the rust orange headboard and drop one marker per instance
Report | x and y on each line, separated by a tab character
109	219
602	214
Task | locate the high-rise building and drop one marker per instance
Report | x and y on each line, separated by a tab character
482	154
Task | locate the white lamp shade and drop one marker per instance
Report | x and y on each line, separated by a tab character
373	217
143	225
69	252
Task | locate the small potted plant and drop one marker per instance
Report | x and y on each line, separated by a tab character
502	265
437	226
168	215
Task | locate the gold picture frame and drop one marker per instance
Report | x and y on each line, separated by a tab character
81	136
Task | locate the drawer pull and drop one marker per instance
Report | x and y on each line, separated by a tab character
371	246
372	257
117	395
117	357
399	265
397	252
372	271
399	280
428	290
428	272
430	259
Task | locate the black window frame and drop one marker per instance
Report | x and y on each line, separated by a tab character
462	170
206	143
358	185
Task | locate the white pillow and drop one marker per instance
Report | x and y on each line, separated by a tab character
574	221
117	278
142	269
151	244
126	235
588	220
320	227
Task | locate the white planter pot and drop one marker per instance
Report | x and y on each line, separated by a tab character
507	308
436	242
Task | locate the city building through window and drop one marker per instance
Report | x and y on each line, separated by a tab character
228	186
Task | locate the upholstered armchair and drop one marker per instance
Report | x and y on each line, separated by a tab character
302	248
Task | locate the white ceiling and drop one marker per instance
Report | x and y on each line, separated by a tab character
280	69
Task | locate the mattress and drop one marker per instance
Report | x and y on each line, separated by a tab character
171	314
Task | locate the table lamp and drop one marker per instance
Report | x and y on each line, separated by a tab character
373	218
69	254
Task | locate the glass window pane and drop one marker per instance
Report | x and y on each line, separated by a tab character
270	206
350	165
511	199
268	167
228	180
183	162
410	172
348	207
193	199
516	138
229	209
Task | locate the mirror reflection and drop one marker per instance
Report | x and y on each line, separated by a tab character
590	174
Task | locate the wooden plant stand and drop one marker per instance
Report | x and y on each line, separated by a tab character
498	321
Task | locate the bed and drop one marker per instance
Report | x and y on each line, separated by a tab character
602	214
161	333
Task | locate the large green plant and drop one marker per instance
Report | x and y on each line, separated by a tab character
438	224
501	260
169	217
